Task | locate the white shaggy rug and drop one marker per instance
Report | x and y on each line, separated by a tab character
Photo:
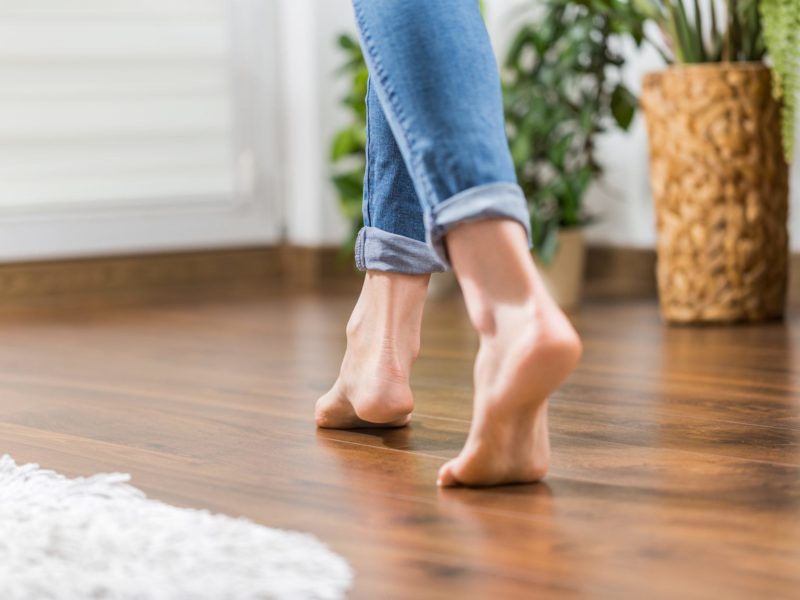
100	538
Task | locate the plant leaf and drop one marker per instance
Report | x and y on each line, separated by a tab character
623	105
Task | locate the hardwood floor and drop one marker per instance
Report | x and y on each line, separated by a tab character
676	466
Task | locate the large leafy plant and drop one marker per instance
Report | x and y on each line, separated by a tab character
562	88
348	148
734	30
730	30
781	20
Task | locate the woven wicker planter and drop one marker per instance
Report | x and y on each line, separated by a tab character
720	183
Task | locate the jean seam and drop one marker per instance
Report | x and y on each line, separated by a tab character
360	258
429	194
368	183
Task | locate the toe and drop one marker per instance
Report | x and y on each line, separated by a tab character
446	477
333	410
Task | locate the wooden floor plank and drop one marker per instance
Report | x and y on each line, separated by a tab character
676	464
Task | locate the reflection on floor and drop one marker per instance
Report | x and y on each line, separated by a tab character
676	450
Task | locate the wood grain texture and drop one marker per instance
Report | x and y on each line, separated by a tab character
676	450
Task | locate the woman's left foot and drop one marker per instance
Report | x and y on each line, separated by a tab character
383	338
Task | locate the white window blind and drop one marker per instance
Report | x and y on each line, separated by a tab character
106	101
128	105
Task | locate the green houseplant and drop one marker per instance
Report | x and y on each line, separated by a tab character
720	124
348	147
563	88
735	31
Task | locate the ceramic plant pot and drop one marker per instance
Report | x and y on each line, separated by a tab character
564	275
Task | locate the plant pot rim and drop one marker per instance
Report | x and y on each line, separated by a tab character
751	66
573	230
573	227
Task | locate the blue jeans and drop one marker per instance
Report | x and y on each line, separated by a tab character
437	153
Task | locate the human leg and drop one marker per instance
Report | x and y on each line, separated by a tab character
383	333
436	78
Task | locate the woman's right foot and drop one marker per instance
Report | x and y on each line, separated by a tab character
527	356
527	348
383	339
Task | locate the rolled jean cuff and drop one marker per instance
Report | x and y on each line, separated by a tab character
489	201
379	250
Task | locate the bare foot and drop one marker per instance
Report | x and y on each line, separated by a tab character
383	335
516	369
527	348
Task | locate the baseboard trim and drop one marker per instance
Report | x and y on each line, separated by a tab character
611	273
151	275
623	272
620	272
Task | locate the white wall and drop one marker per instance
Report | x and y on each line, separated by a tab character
621	199
310	115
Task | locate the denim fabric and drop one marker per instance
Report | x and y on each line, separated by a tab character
393	237
437	153
380	250
390	202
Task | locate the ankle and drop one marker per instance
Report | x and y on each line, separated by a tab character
527	329
389	303
395	293
493	319
386	323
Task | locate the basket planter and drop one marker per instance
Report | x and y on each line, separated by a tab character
720	184
564	276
